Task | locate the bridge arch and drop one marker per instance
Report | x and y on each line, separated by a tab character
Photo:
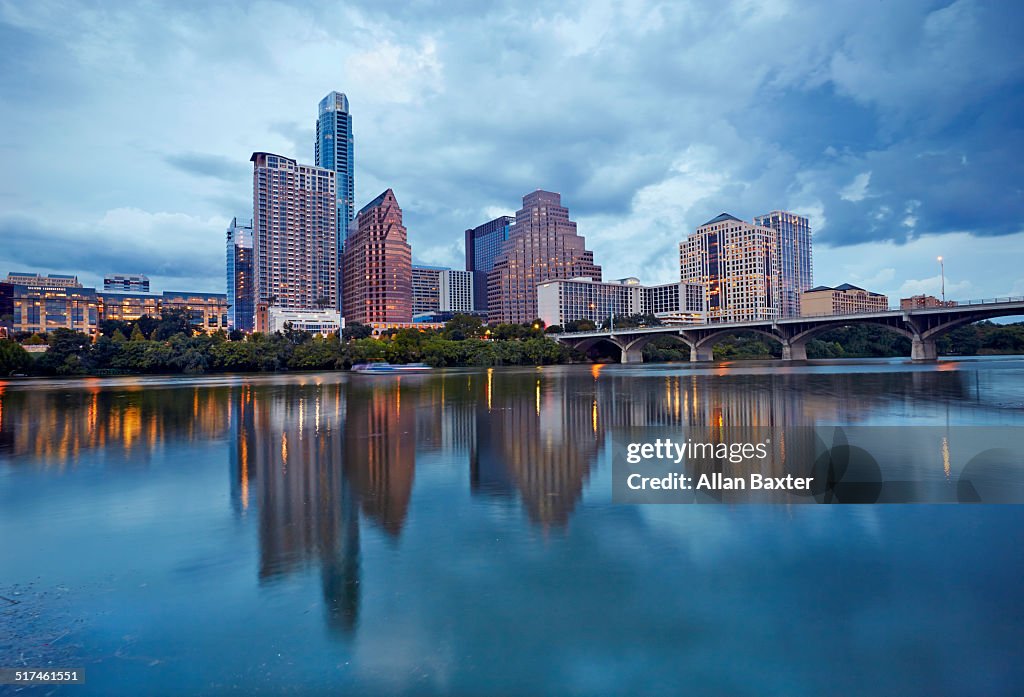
703	348
801	338
589	343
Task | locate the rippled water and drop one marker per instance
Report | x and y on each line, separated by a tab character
454	533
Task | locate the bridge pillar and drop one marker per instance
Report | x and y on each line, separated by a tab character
633	354
794	352
700	353
923	349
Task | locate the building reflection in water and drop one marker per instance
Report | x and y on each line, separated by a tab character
287	456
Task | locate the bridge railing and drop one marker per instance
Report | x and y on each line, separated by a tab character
949	305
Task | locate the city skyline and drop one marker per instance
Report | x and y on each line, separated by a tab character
892	164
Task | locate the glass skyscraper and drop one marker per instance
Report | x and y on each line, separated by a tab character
796	266
334	152
241	309
483	245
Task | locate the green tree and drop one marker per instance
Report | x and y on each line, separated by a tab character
13	358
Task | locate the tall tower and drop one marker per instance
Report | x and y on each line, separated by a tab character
240	275
796	265
295	241
736	264
378	265
542	245
334	152
483	244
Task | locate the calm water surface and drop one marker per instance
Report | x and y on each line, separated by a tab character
454	533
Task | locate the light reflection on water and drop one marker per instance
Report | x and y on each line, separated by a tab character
453	532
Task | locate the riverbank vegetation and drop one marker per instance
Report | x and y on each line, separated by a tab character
171	345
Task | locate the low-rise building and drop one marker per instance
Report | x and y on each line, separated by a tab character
845	299
321	322
208	311
53	280
921	302
126	283
42	308
565	300
128	307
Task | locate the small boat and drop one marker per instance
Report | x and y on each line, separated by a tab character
383	368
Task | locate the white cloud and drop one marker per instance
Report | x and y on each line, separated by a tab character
856	190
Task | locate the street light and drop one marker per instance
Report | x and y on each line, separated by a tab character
942	271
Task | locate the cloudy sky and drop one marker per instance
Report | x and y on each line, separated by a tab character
898	127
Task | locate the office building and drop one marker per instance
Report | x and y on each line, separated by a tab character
126	283
795	262
21	278
320	322
426	289
240	276
334	151
128	307
566	300
456	291
542	245
736	264
207	311
841	300
378	265
295	241
39	308
483	244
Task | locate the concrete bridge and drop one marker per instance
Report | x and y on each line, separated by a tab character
922	326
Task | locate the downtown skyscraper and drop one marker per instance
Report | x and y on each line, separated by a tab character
378	265
541	246
796	265
483	245
334	151
737	265
295	240
241	310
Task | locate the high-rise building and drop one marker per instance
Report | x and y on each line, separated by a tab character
796	264
378	265
542	245
126	283
426	289
737	264
334	151
456	291
295	241
240	278
483	244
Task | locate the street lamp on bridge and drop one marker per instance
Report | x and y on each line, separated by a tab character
942	273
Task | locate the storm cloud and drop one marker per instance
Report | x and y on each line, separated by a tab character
894	126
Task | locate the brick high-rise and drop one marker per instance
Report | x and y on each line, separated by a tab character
378	265
542	245
295	236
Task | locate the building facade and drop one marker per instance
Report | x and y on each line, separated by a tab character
426	289
126	283
320	322
40	308
566	300
208	311
922	302
795	259
295	240
736	264
378	265
334	151
128	307
457	292
483	245
542	245
240	278
841	300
